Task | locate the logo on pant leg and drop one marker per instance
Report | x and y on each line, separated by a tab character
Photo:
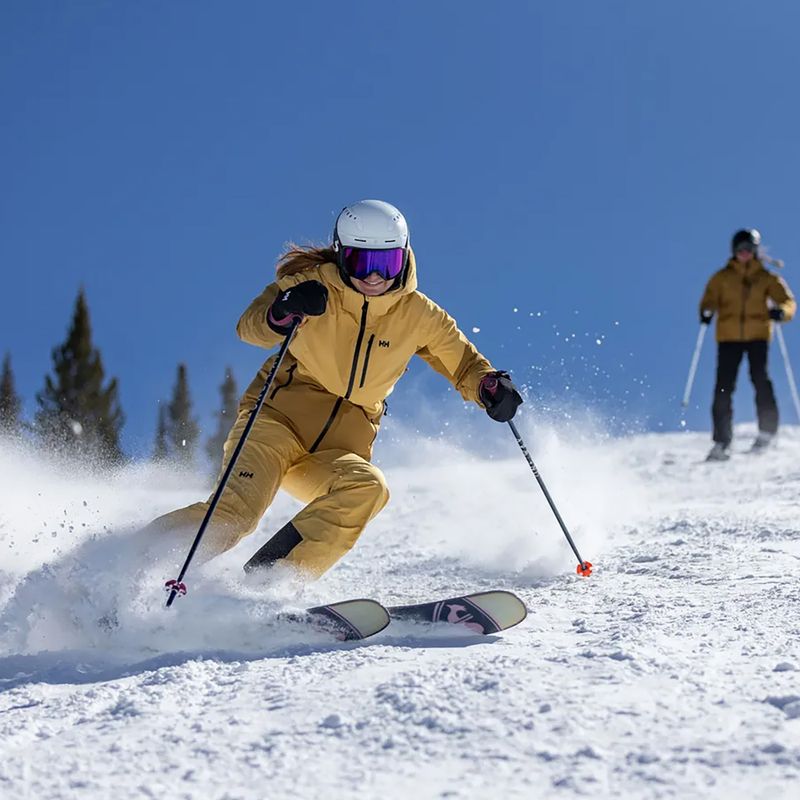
244	474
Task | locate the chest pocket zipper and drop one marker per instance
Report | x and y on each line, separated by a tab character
366	361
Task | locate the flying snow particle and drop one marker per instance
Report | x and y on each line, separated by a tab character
476	330
76	427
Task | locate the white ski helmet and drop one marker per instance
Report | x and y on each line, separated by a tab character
371	235
372	225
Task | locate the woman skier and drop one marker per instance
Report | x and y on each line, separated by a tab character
361	321
747	299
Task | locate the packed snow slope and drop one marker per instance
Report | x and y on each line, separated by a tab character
671	672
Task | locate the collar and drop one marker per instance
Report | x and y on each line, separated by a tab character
353	300
748	268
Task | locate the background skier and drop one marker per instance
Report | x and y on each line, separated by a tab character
362	320
747	299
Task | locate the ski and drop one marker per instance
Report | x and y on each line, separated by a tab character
482	613
349	620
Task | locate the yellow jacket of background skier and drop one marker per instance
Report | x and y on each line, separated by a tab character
342	365
738	295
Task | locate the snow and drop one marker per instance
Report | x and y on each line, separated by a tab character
672	672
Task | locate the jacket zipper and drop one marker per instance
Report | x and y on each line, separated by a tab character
339	400
366	361
745	292
284	385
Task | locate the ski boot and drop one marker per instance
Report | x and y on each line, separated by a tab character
762	442
719	452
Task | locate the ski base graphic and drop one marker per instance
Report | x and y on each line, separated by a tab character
481	613
349	620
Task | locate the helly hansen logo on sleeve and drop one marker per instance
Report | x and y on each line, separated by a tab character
383	342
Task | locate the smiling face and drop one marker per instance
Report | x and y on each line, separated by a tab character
373	285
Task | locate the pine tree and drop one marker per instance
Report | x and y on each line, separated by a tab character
77	414
182	430
226	416
10	403
161	449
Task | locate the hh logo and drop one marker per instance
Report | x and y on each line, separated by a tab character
244	474
383	343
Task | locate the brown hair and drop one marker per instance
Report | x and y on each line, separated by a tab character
296	258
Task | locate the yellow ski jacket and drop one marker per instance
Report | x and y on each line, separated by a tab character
341	366
738	295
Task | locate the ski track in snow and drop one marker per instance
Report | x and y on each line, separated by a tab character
674	671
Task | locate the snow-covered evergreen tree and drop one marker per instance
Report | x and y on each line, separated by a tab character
161	447
10	402
182	429
226	416
79	414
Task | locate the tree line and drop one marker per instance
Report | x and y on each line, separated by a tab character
78	412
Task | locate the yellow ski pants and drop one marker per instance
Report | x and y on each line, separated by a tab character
343	491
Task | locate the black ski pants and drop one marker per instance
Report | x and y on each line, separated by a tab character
729	357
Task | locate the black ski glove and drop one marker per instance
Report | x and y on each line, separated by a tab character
500	396
308	298
776	314
706	317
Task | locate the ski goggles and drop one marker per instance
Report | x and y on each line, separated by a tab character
359	263
748	247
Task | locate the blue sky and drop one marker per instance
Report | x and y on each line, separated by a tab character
584	163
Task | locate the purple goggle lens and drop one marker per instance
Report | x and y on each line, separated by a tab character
388	264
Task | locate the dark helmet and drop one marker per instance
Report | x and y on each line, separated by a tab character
746	240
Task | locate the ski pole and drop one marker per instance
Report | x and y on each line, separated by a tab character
584	568
693	367
788	365
177	586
